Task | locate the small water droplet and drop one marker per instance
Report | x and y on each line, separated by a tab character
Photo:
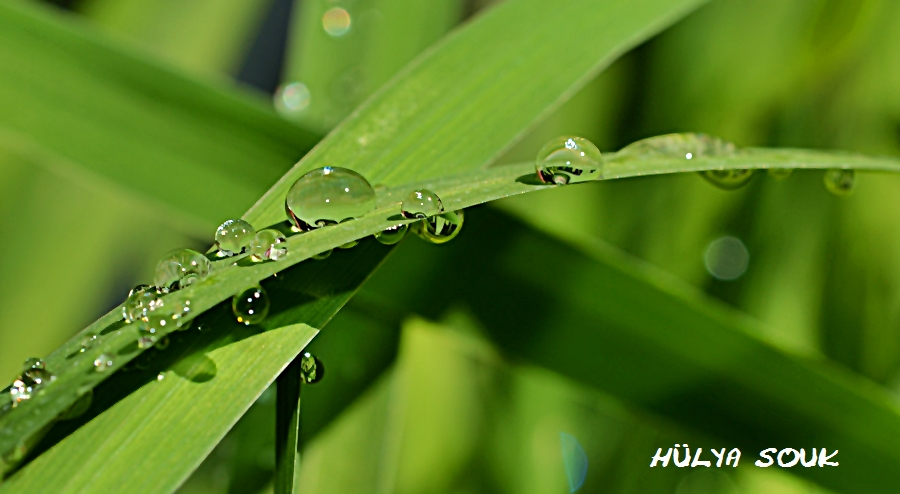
268	245
81	405
292	99
156	325
421	204
323	255
441	228
392	235
780	173
327	196
145	342
726	258
232	236
103	363
141	300
33	363
251	306
160	376
311	368
336	22
568	159
728	179
87	342
840	181
181	268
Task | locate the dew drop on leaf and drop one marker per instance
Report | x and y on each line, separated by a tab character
311	368
780	173
728	179
251	306
103	363
568	159
141	300
421	204
268	245
323	255
441	228
840	181
392	235
233	236
181	268
327	196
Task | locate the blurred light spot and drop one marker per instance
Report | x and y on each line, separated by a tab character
574	460
336	21
726	258
292	98
689	155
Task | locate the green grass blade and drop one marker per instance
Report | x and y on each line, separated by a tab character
589	313
72	93
287	429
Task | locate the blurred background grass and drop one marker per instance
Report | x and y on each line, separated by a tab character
451	414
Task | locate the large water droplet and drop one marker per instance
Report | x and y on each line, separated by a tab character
103	363
574	461
181	268
232	236
420	204
336	22
728	179
36	376
568	159
311	368
726	258
251	306
688	146
840	181
392	235
19	392
141	300
441	228
268	245
292	99
327	196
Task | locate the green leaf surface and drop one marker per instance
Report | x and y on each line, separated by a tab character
589	313
440	116
113	113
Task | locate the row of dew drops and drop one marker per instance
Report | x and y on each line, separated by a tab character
332	195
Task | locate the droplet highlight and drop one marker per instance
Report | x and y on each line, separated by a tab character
268	245
233	236
327	196
421	204
840	182
251	306
311	368
568	159
181	268
441	228
392	235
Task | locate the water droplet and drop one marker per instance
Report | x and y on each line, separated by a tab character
103	363
87	342
726	258
181	268
336	22
349	245
392	235
327	196
178	311
19	391
311	368
251	306
780	173
232	236
420	204
145	342
687	146
79	407
268	245
840	181
567	160
160	376
141	300
36	376
728	179
292	99
323	255
574	461
441	228
156	325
